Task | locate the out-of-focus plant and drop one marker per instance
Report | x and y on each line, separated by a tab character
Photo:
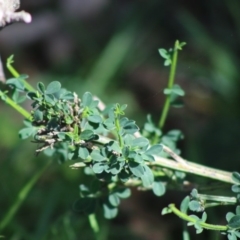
114	152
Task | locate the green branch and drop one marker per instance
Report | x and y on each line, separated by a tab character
171	78
193	220
22	196
14	105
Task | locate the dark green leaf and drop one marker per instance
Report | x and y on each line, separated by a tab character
236	177
26	132
136	168
159	188
130	127
38	115
53	87
32	95
86	135
41	87
49	98
124	176
234	222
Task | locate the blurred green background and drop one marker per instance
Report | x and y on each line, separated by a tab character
111	49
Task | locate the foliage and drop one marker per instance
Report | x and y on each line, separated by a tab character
114	152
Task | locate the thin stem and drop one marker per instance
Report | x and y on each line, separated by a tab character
193	220
21	197
94	225
170	85
14	105
14	72
117	124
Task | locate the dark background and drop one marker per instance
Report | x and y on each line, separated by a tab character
111	49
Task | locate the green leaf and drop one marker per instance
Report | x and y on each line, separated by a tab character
234	222
123	107
184	204
155	150
136	168
123	192
95	119
86	135
140	142
238	210
49	98
83	153
114	199
204	217
159	188
26	132
130	127
38	115
87	99
147	157
166	210
163	53
229	216
53	87
114	146
167	62
231	236
17	83
147	178
99	167
195	206
176	89
41	87
109	211
124	176
97	156
236	177
236	188
194	193
32	95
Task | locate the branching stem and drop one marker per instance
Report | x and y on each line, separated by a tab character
170	85
193	220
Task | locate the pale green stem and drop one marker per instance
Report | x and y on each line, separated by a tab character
117	124
193	220
21	197
94	225
170	85
14	105
14	72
